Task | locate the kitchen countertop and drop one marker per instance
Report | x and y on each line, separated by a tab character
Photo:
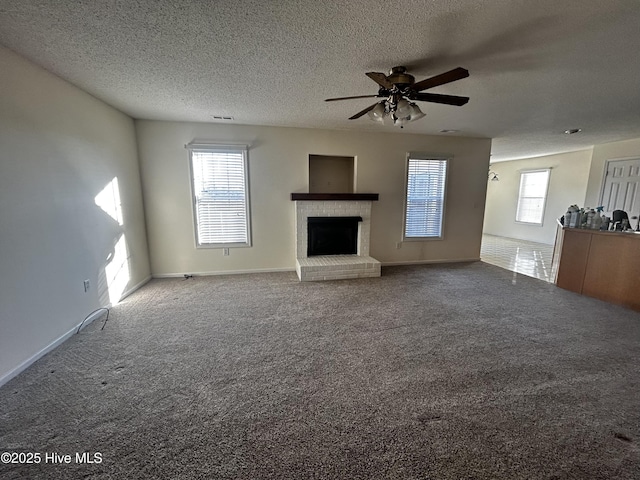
628	233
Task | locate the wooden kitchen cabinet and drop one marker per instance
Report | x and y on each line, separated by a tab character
600	264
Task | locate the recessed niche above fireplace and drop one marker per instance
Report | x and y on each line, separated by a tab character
331	174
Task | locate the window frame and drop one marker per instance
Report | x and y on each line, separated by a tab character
224	148
544	198
412	156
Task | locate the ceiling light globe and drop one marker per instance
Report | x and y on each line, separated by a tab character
403	109
415	112
377	113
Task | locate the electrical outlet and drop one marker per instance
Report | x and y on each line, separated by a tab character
87	285
398	245
225	252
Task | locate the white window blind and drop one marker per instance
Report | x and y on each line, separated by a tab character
426	179
532	196
221	196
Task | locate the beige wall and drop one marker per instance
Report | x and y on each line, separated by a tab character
59	147
278	165
567	186
602	153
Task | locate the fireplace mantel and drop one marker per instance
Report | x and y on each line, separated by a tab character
335	196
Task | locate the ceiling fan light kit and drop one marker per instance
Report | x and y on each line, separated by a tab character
403	114
400	90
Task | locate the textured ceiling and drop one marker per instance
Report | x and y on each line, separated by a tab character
536	68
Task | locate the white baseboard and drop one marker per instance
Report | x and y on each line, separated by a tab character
426	262
225	272
277	270
58	341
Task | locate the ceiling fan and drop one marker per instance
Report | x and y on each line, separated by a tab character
399	90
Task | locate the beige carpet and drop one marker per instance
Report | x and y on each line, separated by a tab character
438	372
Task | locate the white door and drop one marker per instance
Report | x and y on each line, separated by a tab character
622	187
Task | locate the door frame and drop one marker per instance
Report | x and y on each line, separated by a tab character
604	173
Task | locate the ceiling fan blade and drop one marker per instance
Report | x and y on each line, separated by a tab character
361	113
437	98
450	76
350	98
380	79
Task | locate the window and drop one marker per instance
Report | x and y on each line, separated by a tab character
532	196
220	195
426	179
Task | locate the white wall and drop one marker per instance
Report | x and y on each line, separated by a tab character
602	153
278	166
60	147
567	186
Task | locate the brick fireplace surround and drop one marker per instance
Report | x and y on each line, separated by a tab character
334	267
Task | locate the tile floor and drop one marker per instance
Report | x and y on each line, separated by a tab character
528	258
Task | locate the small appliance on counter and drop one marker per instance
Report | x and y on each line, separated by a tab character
620	221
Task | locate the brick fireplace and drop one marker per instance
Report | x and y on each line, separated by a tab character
339	206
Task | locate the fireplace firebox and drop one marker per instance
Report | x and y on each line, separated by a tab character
332	235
